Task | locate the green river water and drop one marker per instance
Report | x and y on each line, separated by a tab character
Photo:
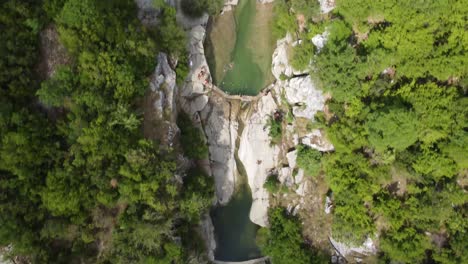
235	233
249	70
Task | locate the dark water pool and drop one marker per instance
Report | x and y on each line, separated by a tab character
235	233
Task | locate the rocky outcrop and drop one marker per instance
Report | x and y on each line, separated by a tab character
280	66
280	63
220	124
147	13
193	93
160	111
258	156
306	99
345	250
52	53
207	231
317	140
320	40
327	5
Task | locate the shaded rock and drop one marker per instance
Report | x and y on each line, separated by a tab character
221	134
317	140
160	111
207	232
328	205
304	96
258	157
188	22
147	13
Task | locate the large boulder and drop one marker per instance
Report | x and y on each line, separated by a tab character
305	98
320	40
258	156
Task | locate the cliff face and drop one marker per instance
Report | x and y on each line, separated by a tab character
258	156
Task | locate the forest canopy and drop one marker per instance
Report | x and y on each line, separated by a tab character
397	75
78	181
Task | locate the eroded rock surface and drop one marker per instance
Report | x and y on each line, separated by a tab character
304	96
258	156
160	104
317	140
220	126
207	231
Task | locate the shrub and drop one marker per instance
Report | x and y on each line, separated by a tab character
272	184
191	138
276	131
283	241
309	159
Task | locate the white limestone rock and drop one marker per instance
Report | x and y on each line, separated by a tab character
280	62
258	157
304	96
320	40
285	176
302	189
316	140
299	176
328	205
291	157
327	5
367	248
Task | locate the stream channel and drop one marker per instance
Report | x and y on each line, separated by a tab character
239	49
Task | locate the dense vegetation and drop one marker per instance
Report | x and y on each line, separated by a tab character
397	74
78	182
283	241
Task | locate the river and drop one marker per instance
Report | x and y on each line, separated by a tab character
240	48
